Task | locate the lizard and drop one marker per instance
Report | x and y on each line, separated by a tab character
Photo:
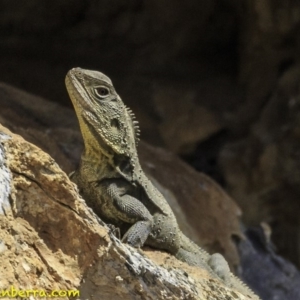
113	184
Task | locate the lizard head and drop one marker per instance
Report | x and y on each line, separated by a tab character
106	124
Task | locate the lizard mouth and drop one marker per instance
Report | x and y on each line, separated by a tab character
77	93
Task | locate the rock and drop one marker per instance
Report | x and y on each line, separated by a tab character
248	44
257	253
56	243
48	125
205	212
136	44
194	123
268	47
262	169
42	210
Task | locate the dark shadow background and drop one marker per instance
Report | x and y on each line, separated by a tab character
215	81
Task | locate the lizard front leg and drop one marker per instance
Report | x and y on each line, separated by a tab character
132	211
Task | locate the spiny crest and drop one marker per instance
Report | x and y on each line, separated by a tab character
244	287
135	124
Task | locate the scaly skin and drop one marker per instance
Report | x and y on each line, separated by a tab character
113	183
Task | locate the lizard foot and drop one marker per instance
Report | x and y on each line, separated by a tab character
220	266
115	230
137	234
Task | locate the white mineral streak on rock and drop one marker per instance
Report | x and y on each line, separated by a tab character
5	178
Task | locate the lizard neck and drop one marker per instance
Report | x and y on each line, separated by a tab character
92	157
95	166
92	153
95	150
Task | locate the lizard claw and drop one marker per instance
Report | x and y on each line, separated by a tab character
115	230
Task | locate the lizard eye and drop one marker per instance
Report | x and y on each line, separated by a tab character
102	91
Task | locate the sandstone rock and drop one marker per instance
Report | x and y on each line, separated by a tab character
50	240
205	212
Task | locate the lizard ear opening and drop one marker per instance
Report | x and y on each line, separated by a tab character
115	124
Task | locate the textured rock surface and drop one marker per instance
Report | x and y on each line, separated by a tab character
44	208
43	123
257	252
180	103
191	194
269	42
204	211
50	240
262	170
229	55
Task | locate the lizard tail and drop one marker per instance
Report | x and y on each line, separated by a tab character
192	254
240	286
